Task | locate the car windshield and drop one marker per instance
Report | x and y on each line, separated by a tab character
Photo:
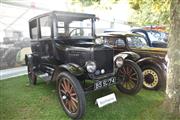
137	42
75	28
157	36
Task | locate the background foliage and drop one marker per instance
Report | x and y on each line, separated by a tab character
151	12
92	2
146	12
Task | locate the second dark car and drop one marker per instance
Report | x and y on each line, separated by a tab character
151	60
154	38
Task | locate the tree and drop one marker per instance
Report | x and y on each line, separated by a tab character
173	77
150	12
91	2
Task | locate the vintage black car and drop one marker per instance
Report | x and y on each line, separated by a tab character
151	59
154	38
64	46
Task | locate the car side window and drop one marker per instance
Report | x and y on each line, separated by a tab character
33	29
119	43
137	42
114	41
45	27
61	28
108	41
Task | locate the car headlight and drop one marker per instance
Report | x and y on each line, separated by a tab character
99	41
119	62
91	66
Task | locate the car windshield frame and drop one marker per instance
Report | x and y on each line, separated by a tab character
66	25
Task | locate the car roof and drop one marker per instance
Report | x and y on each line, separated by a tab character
65	14
144	30
118	34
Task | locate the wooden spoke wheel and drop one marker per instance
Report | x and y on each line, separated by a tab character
31	74
68	96
71	95
130	78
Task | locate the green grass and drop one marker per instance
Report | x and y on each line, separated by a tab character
18	101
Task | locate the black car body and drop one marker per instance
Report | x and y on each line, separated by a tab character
154	38
63	46
151	59
69	47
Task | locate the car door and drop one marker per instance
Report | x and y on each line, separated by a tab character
45	39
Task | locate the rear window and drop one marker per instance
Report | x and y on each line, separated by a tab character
33	29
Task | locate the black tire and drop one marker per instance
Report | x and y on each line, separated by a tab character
31	74
129	77
71	95
153	78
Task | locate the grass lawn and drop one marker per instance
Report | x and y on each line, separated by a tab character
18	101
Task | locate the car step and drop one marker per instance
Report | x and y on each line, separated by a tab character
46	77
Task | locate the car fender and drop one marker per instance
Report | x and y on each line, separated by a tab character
28	58
32	58
130	55
74	69
150	60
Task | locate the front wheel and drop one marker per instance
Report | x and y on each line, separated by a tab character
71	95
129	77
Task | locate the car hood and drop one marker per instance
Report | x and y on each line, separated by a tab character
152	50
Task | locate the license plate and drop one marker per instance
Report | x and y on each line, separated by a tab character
104	83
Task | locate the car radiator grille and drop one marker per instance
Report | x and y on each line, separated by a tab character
104	60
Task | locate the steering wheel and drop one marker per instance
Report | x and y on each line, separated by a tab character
76	32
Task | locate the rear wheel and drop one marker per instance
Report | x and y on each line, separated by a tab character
31	74
71	95
130	78
153	79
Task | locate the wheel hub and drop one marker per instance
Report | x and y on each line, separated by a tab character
149	78
64	97
68	96
126	77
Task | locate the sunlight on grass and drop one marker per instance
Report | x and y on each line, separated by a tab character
20	101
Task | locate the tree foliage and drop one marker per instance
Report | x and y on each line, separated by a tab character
146	12
151	12
91	2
